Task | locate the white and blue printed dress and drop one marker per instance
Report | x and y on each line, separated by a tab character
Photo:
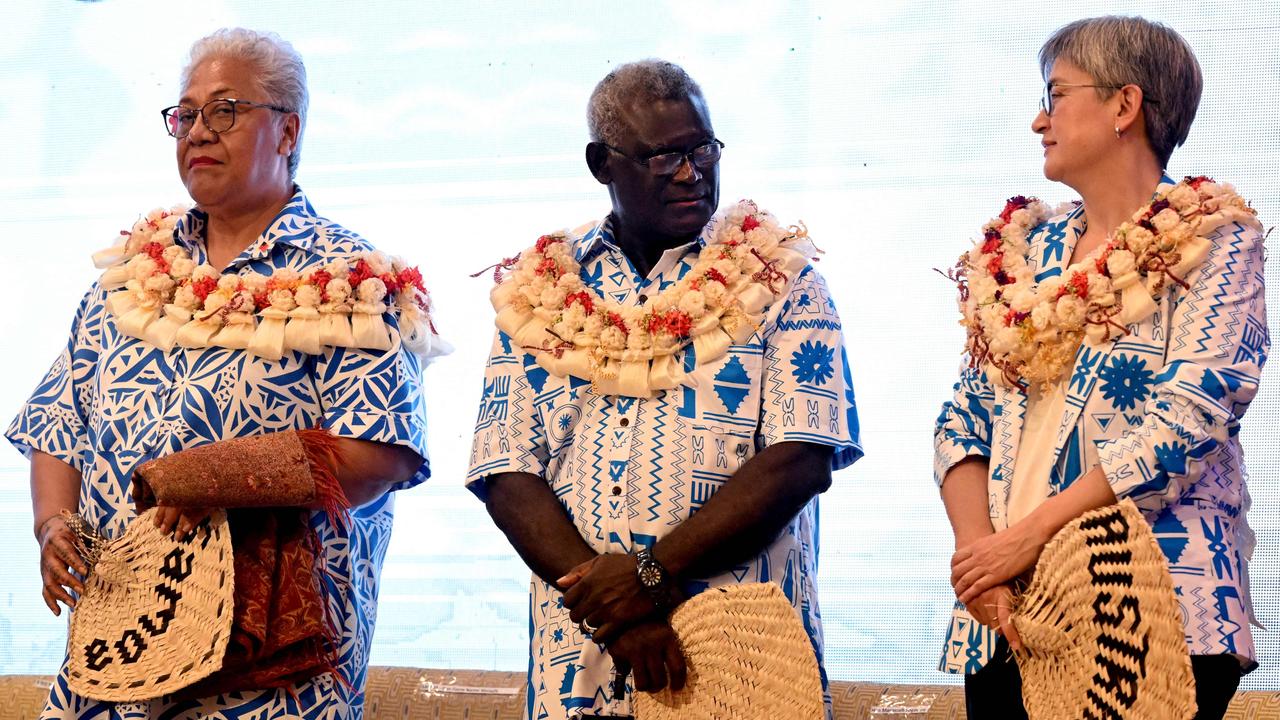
627	471
1159	409
111	402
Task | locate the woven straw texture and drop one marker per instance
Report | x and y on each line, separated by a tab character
156	612
748	657
1101	627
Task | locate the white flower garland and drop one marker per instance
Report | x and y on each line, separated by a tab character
160	295
748	263
1020	331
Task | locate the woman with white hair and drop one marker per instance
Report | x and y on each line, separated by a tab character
1113	350
217	334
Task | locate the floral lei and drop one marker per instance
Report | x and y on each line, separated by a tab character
544	306
1020	331
160	295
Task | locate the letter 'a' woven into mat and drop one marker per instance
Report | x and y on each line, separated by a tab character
1100	625
748	657
156	612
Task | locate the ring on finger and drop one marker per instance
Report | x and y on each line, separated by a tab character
585	629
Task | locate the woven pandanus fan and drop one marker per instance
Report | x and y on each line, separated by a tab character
1100	626
748	657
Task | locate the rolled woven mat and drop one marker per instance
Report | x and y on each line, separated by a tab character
156	612
1100	625
748	656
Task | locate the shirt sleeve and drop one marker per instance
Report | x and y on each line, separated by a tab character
963	428
1218	343
54	419
808	389
376	396
509	433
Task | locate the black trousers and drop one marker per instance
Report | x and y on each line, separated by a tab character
995	691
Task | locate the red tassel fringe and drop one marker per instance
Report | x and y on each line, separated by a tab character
322	456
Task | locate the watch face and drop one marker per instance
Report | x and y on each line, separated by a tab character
650	576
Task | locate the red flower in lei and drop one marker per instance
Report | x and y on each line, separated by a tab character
156	252
1198	180
583	298
545	242
392	281
750	223
359	273
262	299
320	278
1077	285
614	319
673	321
412	277
203	287
1014	204
714	274
549	268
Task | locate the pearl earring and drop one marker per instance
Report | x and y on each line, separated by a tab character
1117	132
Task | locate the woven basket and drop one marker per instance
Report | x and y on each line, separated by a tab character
156	612
1100	625
748	656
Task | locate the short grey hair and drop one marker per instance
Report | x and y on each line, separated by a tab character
643	81
1122	50
280	72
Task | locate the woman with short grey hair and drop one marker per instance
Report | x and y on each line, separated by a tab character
1113	350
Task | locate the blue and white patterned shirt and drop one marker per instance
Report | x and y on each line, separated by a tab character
628	471
111	402
1159	409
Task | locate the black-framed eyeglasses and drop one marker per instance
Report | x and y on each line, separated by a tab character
219	115
703	157
1046	99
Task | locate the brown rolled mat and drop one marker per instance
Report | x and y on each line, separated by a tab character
282	631
261	471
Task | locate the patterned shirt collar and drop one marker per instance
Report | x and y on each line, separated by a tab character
600	238
294	225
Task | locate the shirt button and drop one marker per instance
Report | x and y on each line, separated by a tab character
617	490
624	422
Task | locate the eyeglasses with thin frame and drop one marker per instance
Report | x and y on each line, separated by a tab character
219	115
703	157
1046	99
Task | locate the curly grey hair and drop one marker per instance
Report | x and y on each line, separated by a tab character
1122	50
643	80
280	72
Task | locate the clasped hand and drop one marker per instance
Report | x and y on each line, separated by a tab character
983	570
605	595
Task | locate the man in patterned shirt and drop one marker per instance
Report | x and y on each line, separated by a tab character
711	483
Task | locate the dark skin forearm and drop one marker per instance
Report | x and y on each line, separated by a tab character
525	509
746	514
55	486
366	470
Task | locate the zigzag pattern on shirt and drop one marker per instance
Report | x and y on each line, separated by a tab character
809	324
1205	325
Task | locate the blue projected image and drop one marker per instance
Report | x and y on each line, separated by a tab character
452	134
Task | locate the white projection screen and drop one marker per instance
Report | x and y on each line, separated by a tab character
452	133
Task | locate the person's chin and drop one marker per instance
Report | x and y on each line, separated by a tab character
689	217
202	191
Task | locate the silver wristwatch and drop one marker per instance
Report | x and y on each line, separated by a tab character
653	578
